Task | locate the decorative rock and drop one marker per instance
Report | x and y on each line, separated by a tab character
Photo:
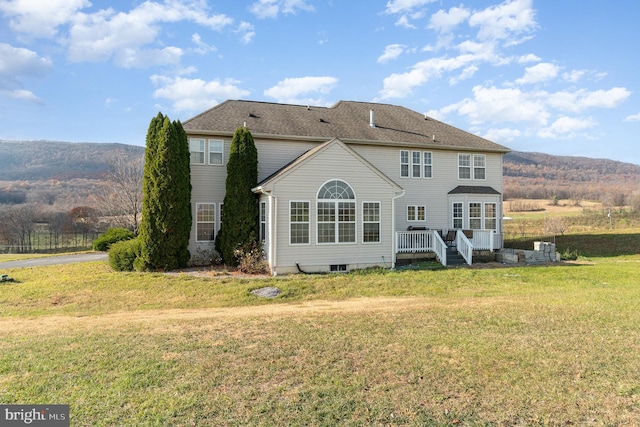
268	292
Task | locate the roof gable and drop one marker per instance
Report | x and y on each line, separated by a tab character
267	183
347	120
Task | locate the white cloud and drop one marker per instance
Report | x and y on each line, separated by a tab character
405	6
466	74
444	22
264	9
291	90
528	58
121	36
202	47
505	21
124	37
633	118
247	32
391	52
502	135
193	95
538	73
17	63
400	85
40	18
21	94
501	105
567	127
581	99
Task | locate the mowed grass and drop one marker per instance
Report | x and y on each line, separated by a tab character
547	345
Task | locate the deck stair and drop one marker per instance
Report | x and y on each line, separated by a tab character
454	259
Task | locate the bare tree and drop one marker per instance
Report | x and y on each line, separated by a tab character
19	223
121	195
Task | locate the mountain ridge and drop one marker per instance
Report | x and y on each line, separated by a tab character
526	174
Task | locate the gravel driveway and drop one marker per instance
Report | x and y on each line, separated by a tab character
60	259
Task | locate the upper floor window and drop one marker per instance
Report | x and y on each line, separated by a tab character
196	148
204	151
427	164
472	166
464	166
404	164
479	167
416	164
216	148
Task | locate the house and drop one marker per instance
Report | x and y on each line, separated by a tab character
351	186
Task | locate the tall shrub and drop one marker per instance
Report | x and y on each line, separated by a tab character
166	205
240	215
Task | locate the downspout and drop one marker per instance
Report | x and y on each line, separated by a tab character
272	226
395	233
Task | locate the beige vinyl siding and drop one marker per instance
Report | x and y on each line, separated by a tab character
430	192
303	183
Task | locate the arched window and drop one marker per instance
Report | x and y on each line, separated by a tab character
336	213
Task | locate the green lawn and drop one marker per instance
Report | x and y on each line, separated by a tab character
548	345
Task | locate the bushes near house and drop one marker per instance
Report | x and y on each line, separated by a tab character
111	236
123	254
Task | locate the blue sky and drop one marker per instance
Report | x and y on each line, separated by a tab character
558	77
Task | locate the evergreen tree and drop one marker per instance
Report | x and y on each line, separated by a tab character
166	205
240	217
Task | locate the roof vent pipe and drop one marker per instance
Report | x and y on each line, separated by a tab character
372	123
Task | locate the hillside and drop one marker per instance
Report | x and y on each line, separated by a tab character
33	170
543	176
46	160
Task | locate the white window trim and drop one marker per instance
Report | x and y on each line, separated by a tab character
414	164
424	164
474	167
407	164
308	222
477	218
379	222
485	217
221	152
263	221
453	218
460	155
214	222
204	150
416	209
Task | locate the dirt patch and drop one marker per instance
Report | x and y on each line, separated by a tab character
47	324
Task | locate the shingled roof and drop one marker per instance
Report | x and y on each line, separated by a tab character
347	120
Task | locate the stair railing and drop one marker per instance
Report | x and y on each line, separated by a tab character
464	247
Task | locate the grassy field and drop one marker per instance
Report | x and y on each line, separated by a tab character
546	345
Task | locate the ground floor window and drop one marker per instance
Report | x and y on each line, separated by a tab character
475	216
299	222
371	222
416	213
490	216
263	221
457	215
205	222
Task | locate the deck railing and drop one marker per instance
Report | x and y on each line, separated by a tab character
416	241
